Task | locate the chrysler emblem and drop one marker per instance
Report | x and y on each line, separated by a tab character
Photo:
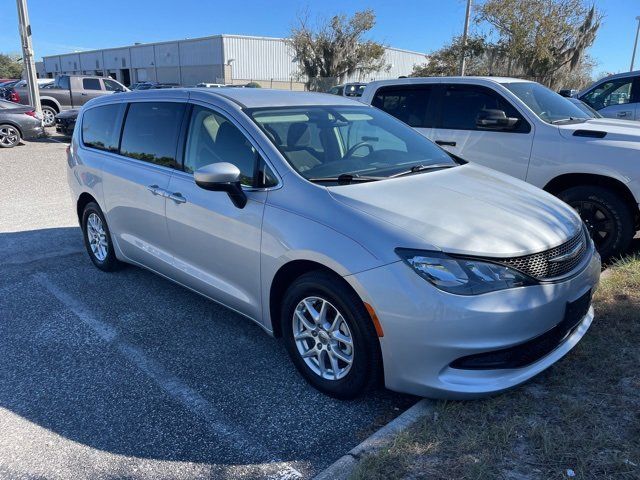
569	255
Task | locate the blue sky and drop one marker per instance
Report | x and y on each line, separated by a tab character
411	24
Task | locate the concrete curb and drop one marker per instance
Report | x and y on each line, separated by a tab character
343	467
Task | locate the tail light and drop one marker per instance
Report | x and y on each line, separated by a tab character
32	113
14	96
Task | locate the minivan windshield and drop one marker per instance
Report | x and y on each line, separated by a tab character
351	142
546	104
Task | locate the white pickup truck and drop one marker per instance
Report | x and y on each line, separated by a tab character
525	130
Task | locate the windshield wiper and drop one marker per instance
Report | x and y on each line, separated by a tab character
345	179
570	119
422	168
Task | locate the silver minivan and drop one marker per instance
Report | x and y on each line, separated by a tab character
373	253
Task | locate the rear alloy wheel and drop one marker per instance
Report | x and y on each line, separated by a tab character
606	215
9	136
48	116
330	336
97	239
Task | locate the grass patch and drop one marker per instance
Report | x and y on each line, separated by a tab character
579	419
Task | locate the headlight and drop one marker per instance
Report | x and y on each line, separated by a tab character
463	276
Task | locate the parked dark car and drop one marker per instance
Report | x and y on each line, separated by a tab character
7	92
154	86
18	122
66	121
568	92
348	89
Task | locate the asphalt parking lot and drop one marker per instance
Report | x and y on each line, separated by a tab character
126	375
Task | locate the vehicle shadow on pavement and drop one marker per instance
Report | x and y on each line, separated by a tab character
132	364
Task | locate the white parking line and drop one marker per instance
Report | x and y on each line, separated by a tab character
55	140
233	436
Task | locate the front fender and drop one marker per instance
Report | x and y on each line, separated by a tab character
558	156
287	237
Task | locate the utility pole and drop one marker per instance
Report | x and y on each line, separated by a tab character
464	39
24	28
635	45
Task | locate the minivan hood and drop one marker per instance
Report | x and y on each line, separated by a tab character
621	130
466	210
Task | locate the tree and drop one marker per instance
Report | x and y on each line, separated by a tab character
10	66
331	51
541	37
446	61
542	40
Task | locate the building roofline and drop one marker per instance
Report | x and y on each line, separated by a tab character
208	37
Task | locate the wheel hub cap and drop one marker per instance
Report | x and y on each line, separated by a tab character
48	117
97	237
323	338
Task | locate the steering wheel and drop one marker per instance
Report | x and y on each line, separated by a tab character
353	149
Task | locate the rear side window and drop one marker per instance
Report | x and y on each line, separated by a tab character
91	84
463	104
101	126
151	132
409	104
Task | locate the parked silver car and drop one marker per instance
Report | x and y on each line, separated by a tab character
371	251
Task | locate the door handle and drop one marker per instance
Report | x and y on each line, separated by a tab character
622	114
83	94
177	197
155	189
447	143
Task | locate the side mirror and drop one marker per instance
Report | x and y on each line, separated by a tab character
493	119
222	177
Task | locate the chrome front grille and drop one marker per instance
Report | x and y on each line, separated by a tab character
552	263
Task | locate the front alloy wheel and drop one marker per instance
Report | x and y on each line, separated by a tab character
323	338
607	216
330	335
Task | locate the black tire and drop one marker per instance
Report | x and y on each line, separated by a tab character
109	263
9	136
608	217
365	370
48	114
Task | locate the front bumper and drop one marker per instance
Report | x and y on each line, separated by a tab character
426	329
65	126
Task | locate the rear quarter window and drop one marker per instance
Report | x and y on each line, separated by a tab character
101	127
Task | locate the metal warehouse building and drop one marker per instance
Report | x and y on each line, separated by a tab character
228	59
